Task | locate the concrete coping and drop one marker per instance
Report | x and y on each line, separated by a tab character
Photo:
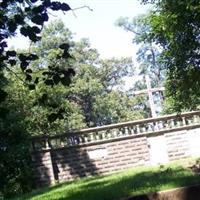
120	125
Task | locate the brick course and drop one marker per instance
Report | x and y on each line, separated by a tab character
69	163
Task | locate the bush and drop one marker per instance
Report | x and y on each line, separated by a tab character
16	175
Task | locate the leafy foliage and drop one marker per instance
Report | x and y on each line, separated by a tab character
96	88
94	98
26	17
149	56
29	17
34	95
175	27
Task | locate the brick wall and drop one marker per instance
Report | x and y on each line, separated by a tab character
177	145
42	163
73	162
68	163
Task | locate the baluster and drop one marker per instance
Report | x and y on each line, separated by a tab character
155	126
178	123
137	129
100	135
143	128
47	144
165	124
110	134
130	130
91	137
122	131
195	119
77	139
115	132
183	121
103	135
160	125
133	130
125	131
96	136
189	121
107	134
118	132
150	128
72	140
147	127
86	138
80	139
172	123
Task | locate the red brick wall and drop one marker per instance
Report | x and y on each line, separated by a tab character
68	163
42	163
177	145
72	162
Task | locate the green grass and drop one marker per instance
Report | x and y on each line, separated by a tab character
132	182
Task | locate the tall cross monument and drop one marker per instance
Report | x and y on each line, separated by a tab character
149	90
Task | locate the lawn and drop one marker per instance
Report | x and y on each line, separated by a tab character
132	182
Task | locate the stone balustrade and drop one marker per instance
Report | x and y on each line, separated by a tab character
118	131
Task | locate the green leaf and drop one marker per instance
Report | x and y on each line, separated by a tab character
36	81
65	80
11	53
52	117
12	62
3	95
56	79
28	77
31	87
65	7
12	26
49	82
64	46
29	71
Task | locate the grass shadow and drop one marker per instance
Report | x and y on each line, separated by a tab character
120	185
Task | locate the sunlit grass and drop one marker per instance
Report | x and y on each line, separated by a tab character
131	182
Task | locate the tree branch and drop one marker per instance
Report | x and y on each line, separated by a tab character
15	74
81	7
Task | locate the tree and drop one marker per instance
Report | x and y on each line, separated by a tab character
48	73
96	88
149	55
36	106
94	98
175	27
27	17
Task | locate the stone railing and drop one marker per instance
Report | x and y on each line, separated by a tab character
150	126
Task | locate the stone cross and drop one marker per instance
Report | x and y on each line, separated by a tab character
149	90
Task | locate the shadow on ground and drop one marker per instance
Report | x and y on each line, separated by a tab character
108	188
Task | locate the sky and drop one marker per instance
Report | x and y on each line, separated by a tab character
98	25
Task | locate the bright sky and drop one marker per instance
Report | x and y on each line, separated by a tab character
98	25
